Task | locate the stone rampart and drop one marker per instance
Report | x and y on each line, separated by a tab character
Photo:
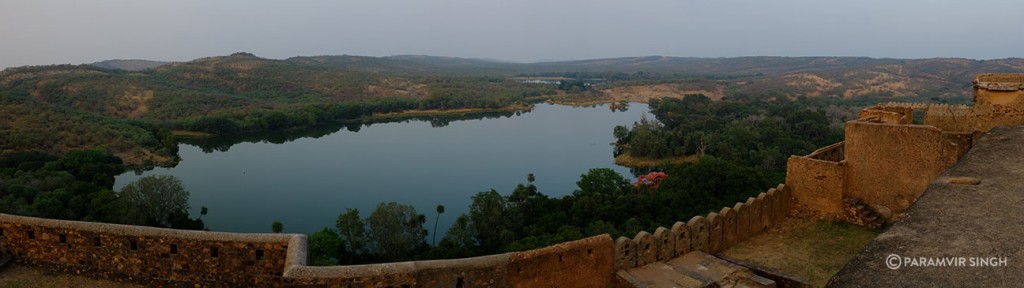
891	165
169	257
711	233
147	255
817	185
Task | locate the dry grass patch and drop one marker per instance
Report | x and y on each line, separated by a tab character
812	249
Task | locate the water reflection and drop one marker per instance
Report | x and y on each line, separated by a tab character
306	177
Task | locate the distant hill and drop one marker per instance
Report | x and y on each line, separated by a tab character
843	77
414	65
129	64
117	103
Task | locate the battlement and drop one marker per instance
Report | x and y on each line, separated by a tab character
999	82
890	157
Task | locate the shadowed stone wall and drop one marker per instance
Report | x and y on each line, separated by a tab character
146	255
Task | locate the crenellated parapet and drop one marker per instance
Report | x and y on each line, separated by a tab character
710	233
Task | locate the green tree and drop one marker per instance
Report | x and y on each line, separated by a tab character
154	200
396	231
277	227
325	247
601	181
648	139
459	240
352	230
621	133
487	212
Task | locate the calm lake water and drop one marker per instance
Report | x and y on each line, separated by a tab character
306	178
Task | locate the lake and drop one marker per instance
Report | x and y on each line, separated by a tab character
306	178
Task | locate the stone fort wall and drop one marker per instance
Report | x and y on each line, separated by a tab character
711	233
159	257
889	157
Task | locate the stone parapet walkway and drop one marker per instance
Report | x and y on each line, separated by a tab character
967	229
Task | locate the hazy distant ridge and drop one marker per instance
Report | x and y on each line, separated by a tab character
129	64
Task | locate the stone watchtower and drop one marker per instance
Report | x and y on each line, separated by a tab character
998	100
889	156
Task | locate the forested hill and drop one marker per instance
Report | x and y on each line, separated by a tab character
128	106
129	64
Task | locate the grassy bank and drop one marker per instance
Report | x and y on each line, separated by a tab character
625	159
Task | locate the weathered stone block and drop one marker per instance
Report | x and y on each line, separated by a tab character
699	233
767	214
753	216
776	206
742	222
625	253
666	243
728	227
647	251
681	231
786	193
715	224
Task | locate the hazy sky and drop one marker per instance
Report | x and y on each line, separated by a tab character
34	32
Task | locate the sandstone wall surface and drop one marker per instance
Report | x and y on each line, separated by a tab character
891	165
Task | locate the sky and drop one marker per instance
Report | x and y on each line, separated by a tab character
40	32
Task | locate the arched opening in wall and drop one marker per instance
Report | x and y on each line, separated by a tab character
63	239
31	235
460	283
174	248
133	245
1	232
259	254
96	242
214	252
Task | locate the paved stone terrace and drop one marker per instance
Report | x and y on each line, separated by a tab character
972	210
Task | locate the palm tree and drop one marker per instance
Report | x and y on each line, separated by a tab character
440	209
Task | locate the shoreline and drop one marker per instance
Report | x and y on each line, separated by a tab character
438	112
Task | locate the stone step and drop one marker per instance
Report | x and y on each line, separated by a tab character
658	275
695	269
